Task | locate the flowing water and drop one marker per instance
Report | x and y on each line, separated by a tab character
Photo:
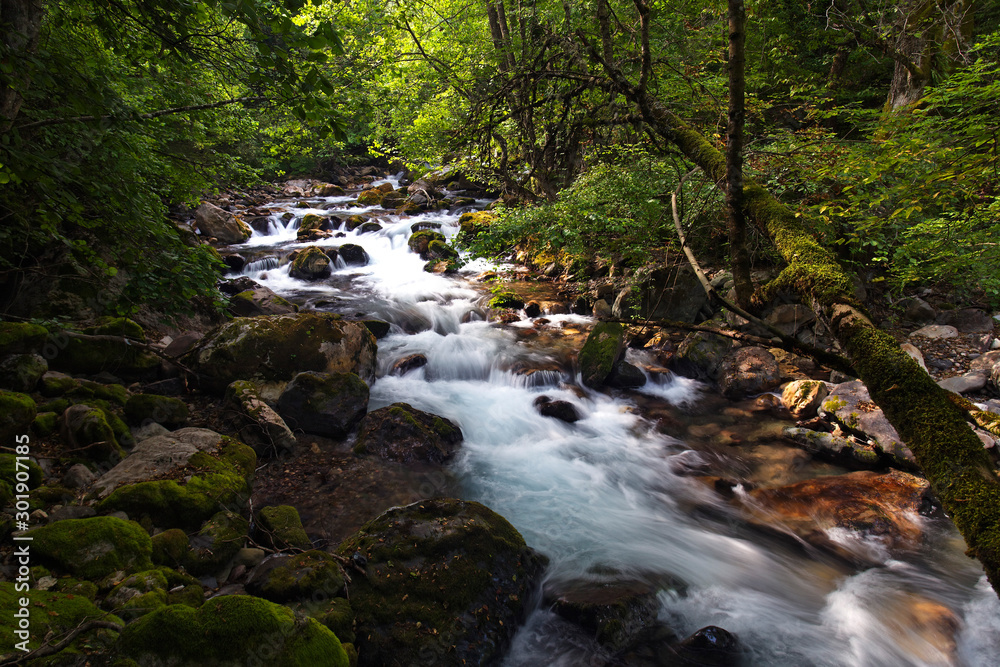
608	493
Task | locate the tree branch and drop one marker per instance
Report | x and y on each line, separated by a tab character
144	116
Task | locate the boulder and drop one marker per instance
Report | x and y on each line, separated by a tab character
88	356
935	331
918	310
419	242
179	480
625	376
310	263
88	432
402	433
212	221
215	544
17	411
353	255
562	410
329	190
790	318
964	384
748	371
407	364
255	422
22	338
259	301
171	412
92	548
473	222
604	347
700	355
847	451
230	631
21	372
613	613
851	406
672	293
803	397
967	320
370	197
280	527
275	348
328	404
287	578
446	582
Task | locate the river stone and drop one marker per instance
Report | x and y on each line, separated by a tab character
625	376
212	221
604	347
310	263
447	583
274	348
964	384
255	422
700	355
78	476
407	364
614	613
918	310
985	362
790	318
803	397
967	320
259	301
353	254
936	331
851	406
846	451
21	372
748	371
298	577
420	241
402	433
562	410
327	404
672	293
86	430
92	548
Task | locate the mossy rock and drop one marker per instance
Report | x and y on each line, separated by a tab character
275	348
311	263
334	613
230	631
87	429
208	484
93	548
54	383
114	394
170	547
89	357
45	423
443	575
56	614
216	543
167	410
73	586
21	372
58	406
327	404
506	300
10	469
280	526
22	338
471	223
399	432
17	411
138	594
440	250
420	242
372	197
298	577
48	495
603	348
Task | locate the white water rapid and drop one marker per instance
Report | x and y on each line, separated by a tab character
604	493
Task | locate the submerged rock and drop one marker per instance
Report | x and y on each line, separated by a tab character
614	613
562	410
402	433
446	583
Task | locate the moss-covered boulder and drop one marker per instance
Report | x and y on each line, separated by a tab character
328	404
353	254
138	594
21	372
420	242
216	543
850	405
447	583
700	355
400	432
179	480
26	471
255	422
506	301
613	612
308	574
335	613
89	356
311	264
17	411
604	347
87	431
54	383
259	301
53	614
92	548
45	423
473	222
170	547
166	410
230	631
22	338
372	197
280	526
273	349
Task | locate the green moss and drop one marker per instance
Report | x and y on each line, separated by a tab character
21	338
90	431
55	614
57	384
228	631
299	577
191	595
17	411
216	543
419	242
9	468
88	356
599	353
371	197
282	527
506	300
92	548
138	594
166	410
169	547
72	586
112	393
46	496
218	481
334	613
57	406
45	423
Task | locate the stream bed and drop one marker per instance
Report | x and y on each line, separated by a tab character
613	492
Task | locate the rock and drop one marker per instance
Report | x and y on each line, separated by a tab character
82	356
259	301
419	242
170	547
936	331
287	578
447	583
17	411
407	364
256	423
850	405
148	430
235	262
614	613
473	222
310	263
215	544
228	631
78	476
711	646
353	255
179	480
967	320
601	310
329	190
379	328
803	397
563	410
71	512
275	348
672	293
21	372
884	506
185	342
22	338
748	371
790	318
985	362
918	310
370	227
532	309
171	412
169	387
700	355
604	347
846	451
914	352
92	548
402	433
138	594
54	383
625	376
86	430
372	197
280	527
964	384
212	221
506	301
328	404
236	285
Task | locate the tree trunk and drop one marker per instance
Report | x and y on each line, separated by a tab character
20	21
739	257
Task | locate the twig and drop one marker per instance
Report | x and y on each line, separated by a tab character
50	649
